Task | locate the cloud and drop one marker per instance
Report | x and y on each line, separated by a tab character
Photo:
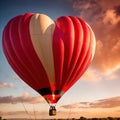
91	75
25	98
111	17
24	114
98	108
104	103
104	18
92	10
76	105
87	9
6	85
107	58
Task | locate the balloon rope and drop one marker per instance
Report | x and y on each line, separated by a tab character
34	112
69	113
70	109
24	105
26	110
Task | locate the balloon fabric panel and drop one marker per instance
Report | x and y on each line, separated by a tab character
41	29
66	31
40	77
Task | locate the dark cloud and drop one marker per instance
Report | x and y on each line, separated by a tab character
20	99
104	103
117	10
87	9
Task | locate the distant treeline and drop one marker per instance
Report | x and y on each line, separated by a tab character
108	118
81	118
2	119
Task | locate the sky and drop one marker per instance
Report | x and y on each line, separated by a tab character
97	92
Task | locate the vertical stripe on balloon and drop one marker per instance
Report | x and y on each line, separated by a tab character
41	32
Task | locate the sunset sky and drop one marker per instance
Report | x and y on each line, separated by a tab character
97	93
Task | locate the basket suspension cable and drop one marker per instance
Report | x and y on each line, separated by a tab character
26	111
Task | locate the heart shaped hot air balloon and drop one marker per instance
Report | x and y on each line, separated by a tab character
50	56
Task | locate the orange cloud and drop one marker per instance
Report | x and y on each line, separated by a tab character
107	57
91	75
111	17
104	18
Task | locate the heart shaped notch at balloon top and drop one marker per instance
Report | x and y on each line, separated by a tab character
50	56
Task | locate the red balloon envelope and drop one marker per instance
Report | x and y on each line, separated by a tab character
50	56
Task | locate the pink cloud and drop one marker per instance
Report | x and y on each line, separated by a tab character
26	98
103	103
6	85
106	103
